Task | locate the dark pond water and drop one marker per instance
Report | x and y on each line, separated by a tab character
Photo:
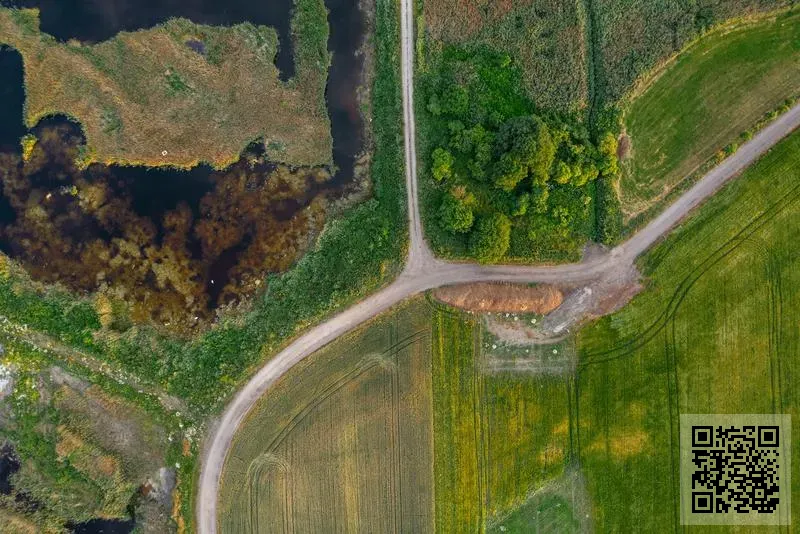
9	464
103	526
152	193
12	98
98	20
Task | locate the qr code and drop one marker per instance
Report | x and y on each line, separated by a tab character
735	469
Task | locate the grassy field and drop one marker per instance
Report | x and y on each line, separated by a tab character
497	437
544	38
632	36
343	442
714	333
714	91
148	98
398	426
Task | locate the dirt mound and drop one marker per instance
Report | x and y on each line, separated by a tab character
499	297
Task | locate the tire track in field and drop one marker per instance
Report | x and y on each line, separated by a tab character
636	341
363	366
673	403
397	464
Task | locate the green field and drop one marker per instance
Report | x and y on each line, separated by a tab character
498	437
632	36
716	332
714	91
344	441
398	426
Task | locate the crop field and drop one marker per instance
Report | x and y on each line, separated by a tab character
633	36
545	39
498	437
344	441
699	105
716	332
148	97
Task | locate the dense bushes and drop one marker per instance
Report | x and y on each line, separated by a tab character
494	159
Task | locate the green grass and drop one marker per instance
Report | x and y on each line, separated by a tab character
633	36
715	332
716	89
544	38
458	454
543	514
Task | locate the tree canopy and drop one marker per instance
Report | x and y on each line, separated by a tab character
508	175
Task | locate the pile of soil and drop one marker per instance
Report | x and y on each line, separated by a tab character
501	297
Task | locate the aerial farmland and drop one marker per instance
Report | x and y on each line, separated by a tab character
424	266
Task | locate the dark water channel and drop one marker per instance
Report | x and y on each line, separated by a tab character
91	21
9	464
151	193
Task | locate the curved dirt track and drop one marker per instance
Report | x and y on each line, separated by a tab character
423	271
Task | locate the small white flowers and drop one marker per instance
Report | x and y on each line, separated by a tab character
164	152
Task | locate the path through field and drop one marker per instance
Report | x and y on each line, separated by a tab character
423	271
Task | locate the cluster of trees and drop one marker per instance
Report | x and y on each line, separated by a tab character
524	172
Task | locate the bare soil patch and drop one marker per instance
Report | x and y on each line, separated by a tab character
499	297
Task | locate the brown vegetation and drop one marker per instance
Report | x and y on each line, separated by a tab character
458	20
97	229
147	97
545	38
496	297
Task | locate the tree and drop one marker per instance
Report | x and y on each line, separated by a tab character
491	238
442	167
455	100
528	145
607	155
509	172
562	173
455	212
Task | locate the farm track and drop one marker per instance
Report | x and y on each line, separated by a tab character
423	271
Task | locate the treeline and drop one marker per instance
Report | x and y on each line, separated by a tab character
511	182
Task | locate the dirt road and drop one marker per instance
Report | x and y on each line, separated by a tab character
423	271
